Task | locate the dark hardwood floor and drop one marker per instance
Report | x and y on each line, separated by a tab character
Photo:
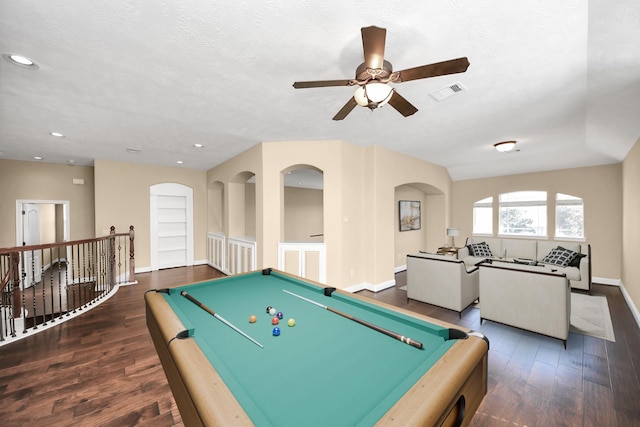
100	369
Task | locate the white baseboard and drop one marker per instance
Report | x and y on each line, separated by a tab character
606	281
400	268
625	294
630	303
371	286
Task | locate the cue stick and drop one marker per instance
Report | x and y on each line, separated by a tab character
220	318
406	340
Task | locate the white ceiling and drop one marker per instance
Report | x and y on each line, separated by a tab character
560	77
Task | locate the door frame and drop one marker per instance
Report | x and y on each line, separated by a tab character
169	189
65	214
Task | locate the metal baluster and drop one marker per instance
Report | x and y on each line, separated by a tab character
60	261
73	279
33	290
53	307
66	278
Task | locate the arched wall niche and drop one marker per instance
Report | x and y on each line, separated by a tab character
431	233
302	190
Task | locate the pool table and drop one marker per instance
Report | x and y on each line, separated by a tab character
326	370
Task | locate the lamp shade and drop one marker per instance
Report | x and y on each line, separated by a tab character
373	94
453	232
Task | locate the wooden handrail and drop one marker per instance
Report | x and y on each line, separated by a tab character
7	251
92	267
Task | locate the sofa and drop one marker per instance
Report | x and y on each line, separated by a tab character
527	297
572	259
442	280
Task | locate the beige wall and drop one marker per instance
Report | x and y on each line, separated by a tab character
359	215
122	199
410	241
599	186
630	223
303	214
387	170
46	181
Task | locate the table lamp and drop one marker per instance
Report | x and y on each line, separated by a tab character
453	232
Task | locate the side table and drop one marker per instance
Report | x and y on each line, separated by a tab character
451	250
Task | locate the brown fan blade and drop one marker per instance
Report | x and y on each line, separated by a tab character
373	39
322	83
403	106
452	66
344	111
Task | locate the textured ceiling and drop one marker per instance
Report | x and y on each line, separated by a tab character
560	77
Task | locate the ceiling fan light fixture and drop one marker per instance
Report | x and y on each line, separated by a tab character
373	95
504	146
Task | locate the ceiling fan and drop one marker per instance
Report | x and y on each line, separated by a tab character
374	73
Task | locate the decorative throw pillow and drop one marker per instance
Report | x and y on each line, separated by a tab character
576	261
559	256
480	249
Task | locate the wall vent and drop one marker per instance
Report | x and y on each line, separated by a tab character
448	91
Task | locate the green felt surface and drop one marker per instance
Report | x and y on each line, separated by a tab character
326	370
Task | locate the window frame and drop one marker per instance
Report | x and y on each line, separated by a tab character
487	202
571	201
541	229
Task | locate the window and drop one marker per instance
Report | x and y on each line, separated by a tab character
523	213
569	216
483	216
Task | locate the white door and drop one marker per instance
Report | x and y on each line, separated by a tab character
171	226
32	263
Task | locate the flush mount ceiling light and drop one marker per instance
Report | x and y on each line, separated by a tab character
504	146
57	134
20	61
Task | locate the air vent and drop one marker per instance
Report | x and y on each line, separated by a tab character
448	91
133	150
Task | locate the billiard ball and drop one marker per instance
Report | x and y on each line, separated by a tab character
291	322
275	321
279	315
269	309
276	332
272	311
252	319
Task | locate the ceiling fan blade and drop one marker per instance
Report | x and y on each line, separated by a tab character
344	111
403	106
452	66
373	40
322	83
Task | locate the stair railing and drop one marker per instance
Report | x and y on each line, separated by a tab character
44	284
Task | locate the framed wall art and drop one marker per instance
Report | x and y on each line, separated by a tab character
409	211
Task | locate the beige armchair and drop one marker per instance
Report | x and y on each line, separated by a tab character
442	280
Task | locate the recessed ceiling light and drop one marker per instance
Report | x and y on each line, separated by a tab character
19	60
71	161
37	158
179	162
198	145
58	134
